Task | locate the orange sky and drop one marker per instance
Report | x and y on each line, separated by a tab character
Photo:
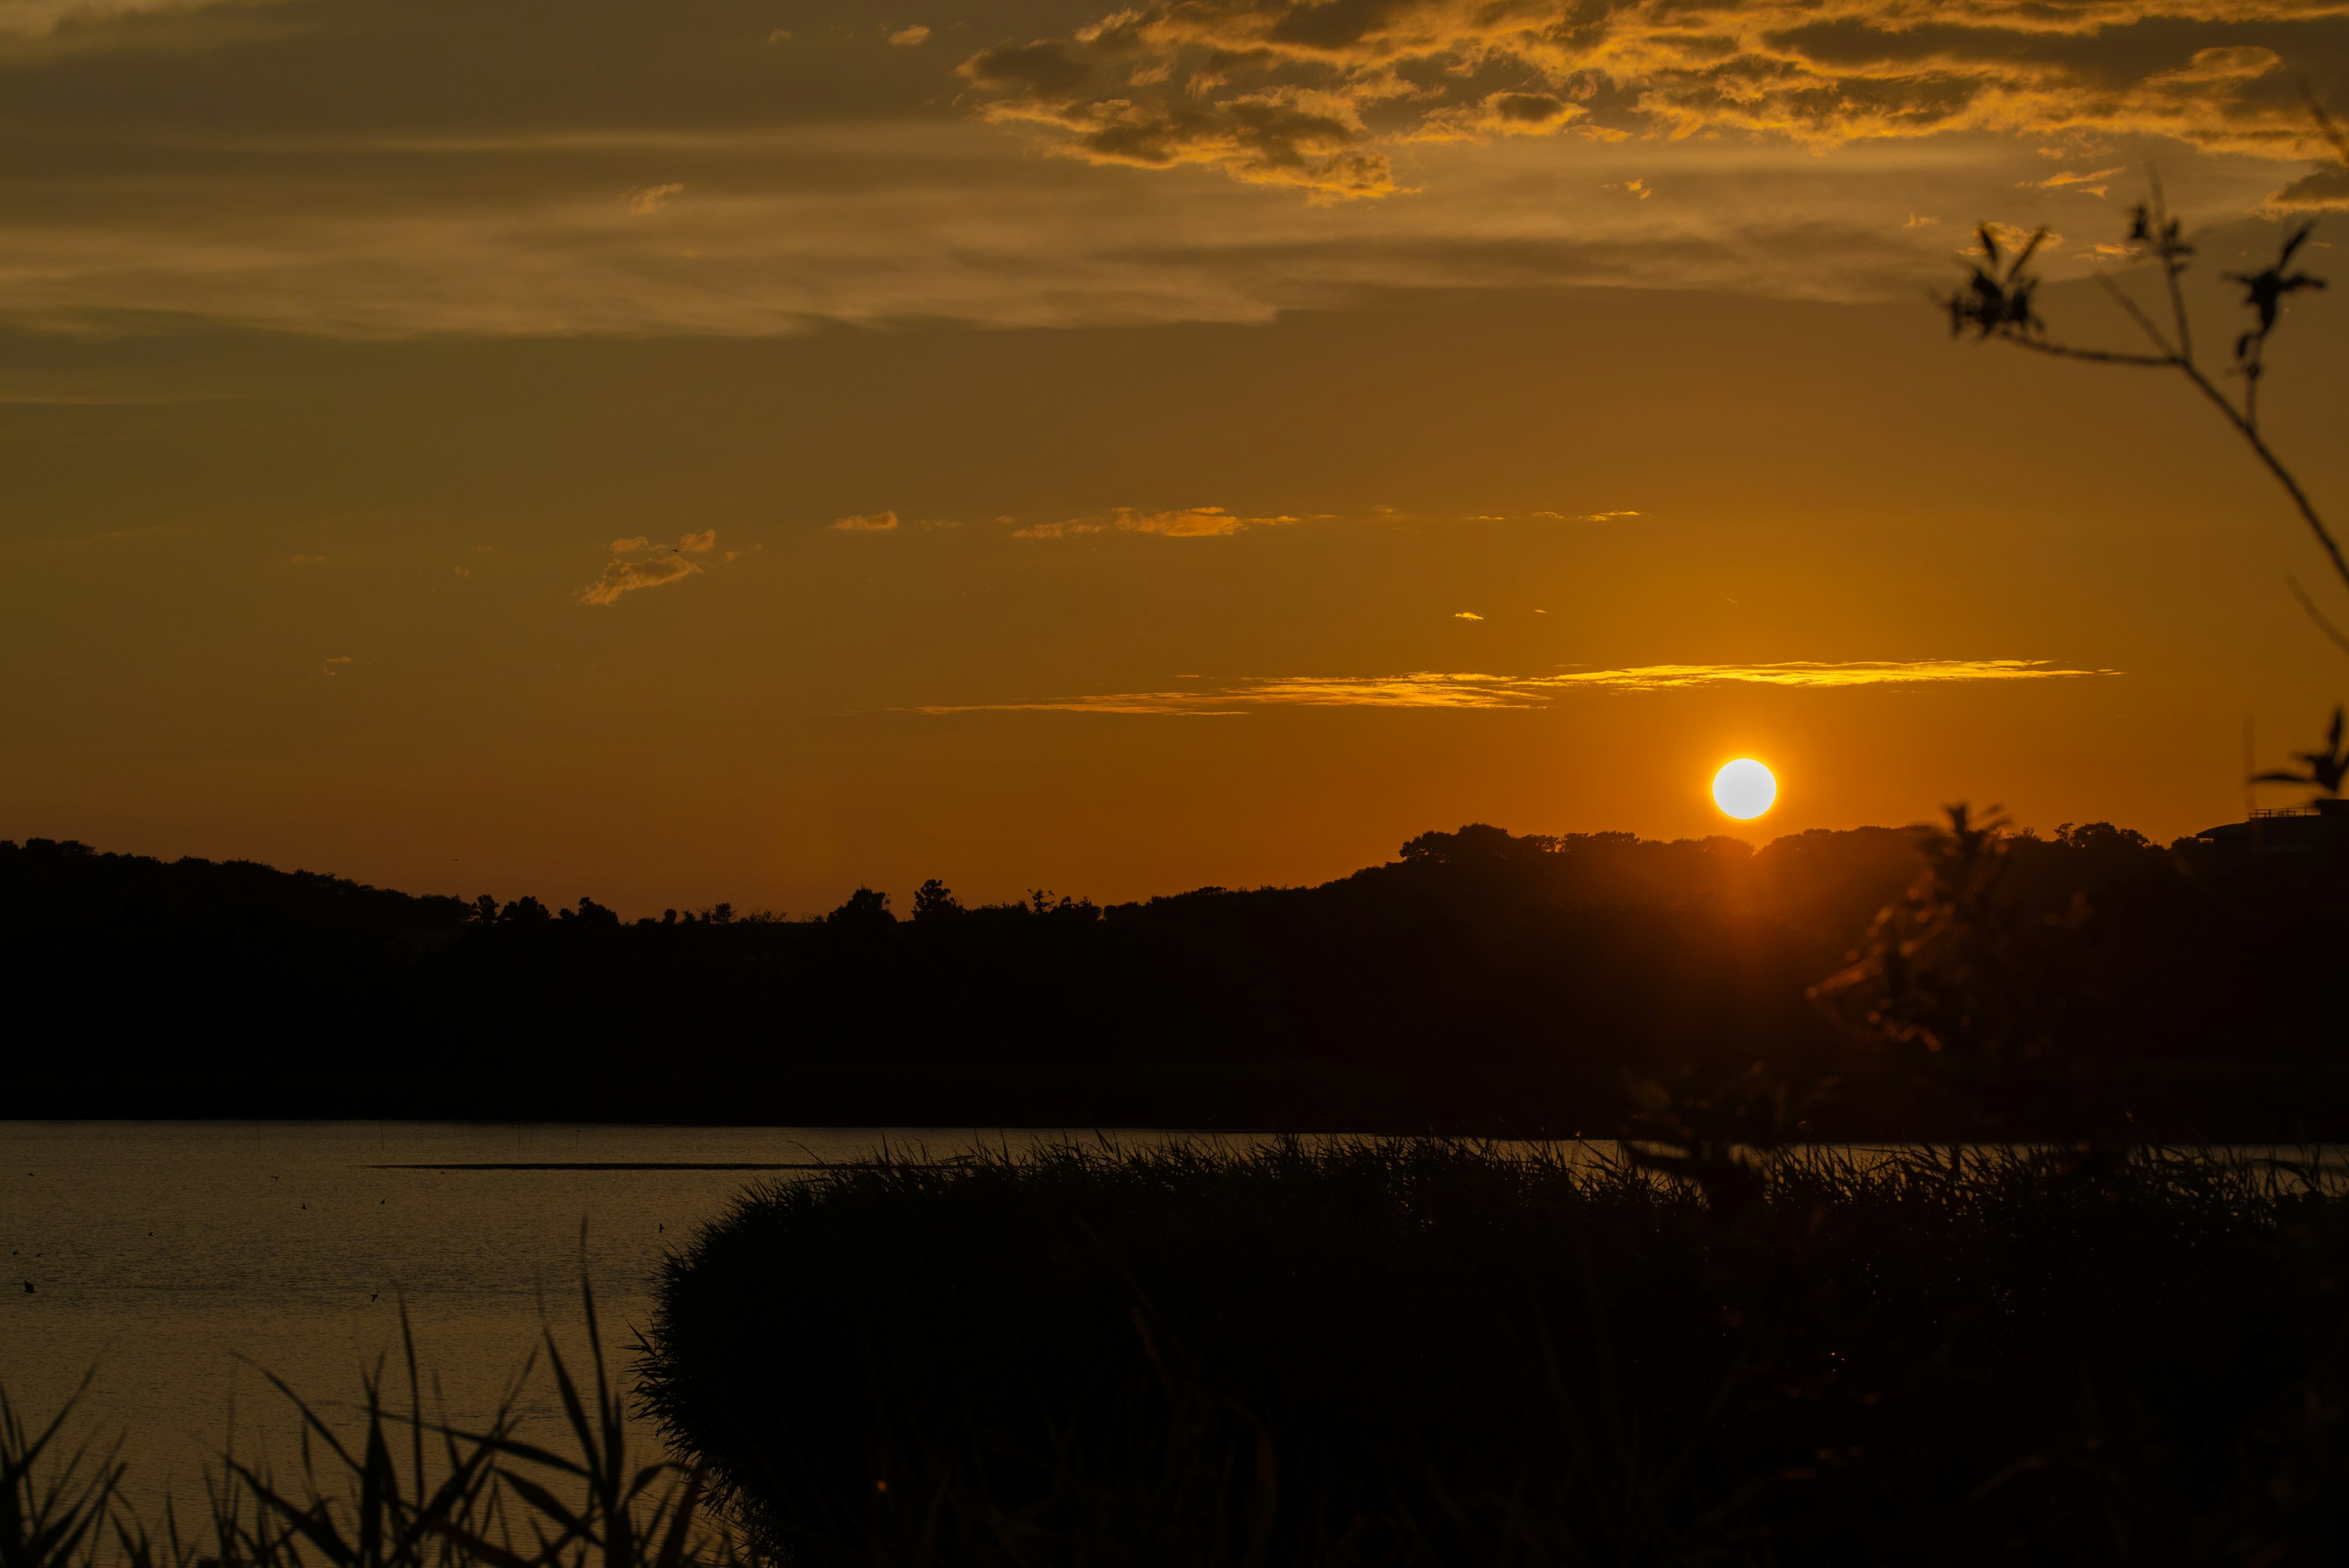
721	451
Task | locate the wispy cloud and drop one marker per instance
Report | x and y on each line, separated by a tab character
497	201
908	38
631	568
866	522
1425	689
2090	183
1187	522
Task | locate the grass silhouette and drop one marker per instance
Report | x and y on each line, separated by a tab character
411	1491
1422	1352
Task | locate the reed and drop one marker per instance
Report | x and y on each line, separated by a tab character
1424	1351
1371	1352
396	1488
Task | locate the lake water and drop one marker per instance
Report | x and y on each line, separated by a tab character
178	1259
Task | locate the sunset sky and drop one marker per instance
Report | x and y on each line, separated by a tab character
706	448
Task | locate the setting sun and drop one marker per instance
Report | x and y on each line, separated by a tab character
1745	789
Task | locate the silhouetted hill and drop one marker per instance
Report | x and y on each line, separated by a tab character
1481	978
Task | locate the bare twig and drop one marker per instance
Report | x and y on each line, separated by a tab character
2323	624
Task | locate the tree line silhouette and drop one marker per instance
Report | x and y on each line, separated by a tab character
1479	978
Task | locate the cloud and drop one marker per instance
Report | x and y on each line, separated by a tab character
1188	522
1467	614
866	522
1435	689
1585	517
652	198
2087	182
44	18
623	576
1498	114
1638	189
334	664
908	37
2325	191
1318	93
403	197
626	576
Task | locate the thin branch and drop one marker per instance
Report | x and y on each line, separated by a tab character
2332	133
2169	355
2166	241
2323	624
2093	356
2275	466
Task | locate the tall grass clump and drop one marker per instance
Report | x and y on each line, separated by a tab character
386	1487
1424	1351
53	1499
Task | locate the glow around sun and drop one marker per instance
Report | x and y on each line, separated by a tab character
1745	789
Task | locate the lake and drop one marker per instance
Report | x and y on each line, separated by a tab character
177	1260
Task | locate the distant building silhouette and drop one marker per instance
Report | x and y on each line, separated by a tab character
2281	830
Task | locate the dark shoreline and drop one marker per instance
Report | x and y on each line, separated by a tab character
2183	1101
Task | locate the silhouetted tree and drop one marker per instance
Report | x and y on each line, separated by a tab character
864	909
934	902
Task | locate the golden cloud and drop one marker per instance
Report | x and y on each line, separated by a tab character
866	522
1188	522
653	198
1425	689
623	576
1313	93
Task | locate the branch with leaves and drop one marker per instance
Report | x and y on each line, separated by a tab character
1999	301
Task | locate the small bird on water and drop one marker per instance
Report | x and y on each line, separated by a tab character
28	1288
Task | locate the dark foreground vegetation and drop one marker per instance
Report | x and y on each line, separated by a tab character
1433	1352
384	1484
1373	1353
1479	980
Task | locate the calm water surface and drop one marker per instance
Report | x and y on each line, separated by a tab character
178	1259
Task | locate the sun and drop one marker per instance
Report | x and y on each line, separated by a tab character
1745	789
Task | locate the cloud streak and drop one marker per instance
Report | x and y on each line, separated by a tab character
830	182
1426	689
1187	522
1317	94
